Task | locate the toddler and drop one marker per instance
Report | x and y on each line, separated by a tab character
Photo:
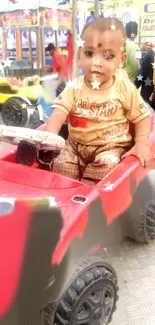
100	106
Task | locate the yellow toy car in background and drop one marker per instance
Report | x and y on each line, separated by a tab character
15	101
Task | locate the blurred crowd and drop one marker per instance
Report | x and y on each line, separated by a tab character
140	64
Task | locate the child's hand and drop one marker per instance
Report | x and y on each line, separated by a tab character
151	97
142	152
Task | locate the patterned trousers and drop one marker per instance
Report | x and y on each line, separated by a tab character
79	161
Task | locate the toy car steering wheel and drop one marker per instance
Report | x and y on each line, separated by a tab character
42	139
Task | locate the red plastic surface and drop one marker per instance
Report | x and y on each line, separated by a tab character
20	181
12	252
116	185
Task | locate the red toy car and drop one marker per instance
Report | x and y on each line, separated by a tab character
55	233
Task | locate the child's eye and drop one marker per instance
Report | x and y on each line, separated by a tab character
89	54
108	56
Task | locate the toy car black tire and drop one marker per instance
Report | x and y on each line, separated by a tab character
90	298
143	228
13	114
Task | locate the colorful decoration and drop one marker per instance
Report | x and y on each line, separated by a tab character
7	63
148	82
24	105
153	65
26	12
140	77
113	27
80	43
95	84
133	35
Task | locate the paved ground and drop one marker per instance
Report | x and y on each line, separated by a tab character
135	266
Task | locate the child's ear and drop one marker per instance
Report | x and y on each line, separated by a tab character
122	60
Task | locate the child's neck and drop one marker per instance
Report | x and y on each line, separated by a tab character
103	85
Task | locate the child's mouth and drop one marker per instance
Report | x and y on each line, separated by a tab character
96	72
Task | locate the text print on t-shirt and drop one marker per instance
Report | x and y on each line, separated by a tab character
97	110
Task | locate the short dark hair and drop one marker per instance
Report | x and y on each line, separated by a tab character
131	28
104	23
50	47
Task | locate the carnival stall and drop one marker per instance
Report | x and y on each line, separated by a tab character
24	34
26	28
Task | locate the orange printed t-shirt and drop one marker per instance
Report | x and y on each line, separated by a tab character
101	117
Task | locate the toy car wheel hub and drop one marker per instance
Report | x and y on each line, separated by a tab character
96	306
89	300
13	113
13	116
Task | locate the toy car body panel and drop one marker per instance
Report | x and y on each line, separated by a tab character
26	247
7	90
33	282
31	92
38	183
86	230
94	219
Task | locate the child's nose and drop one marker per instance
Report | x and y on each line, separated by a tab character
97	61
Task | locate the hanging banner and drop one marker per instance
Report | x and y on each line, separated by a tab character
148	16
147	21
48	17
19	18
61	19
45	16
115	4
124	14
65	19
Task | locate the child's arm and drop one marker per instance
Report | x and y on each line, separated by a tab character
141	148
139	114
143	130
55	121
62	106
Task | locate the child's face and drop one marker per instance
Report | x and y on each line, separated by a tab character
102	54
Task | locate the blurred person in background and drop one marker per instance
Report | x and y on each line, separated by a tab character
57	59
145	47
132	50
144	78
58	66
